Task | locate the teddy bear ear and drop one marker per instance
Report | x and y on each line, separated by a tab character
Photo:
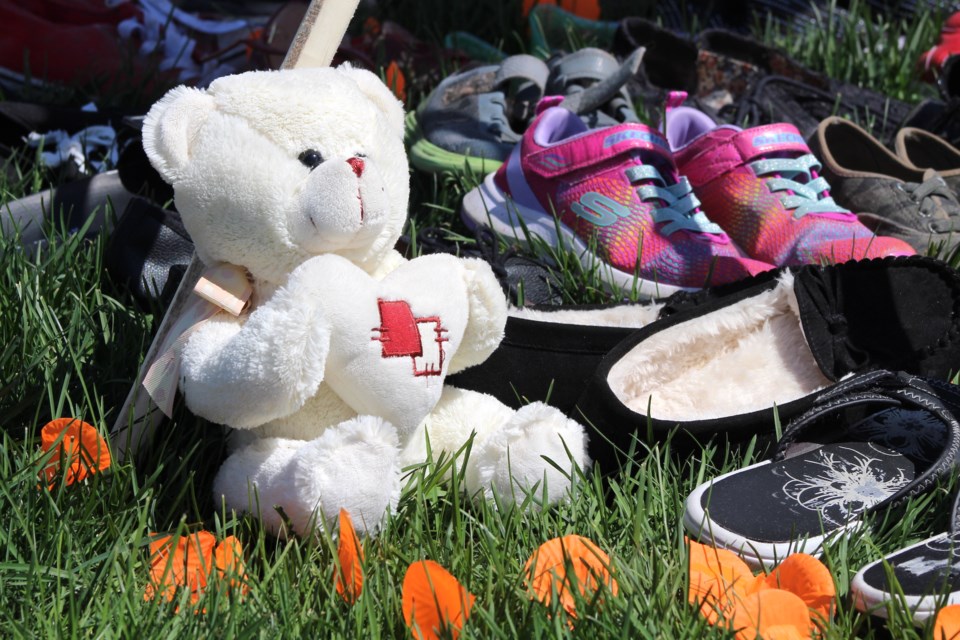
171	126
371	84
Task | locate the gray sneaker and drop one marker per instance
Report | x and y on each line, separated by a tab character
593	85
475	118
890	197
921	150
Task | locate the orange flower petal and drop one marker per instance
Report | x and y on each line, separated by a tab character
783	632
725	565
712	596
350	554
228	561
947	624
716	577
809	579
189	563
79	446
396	80
769	614
547	570
434	600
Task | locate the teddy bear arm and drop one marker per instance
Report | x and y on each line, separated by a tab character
247	372
487	315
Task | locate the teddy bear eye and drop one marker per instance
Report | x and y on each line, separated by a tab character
310	158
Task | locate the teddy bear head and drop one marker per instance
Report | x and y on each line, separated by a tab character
270	168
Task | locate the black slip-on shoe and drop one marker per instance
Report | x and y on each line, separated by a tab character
148	252
724	366
549	352
922	577
866	444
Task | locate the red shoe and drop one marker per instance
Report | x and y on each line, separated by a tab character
931	62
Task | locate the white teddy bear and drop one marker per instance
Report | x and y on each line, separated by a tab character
333	378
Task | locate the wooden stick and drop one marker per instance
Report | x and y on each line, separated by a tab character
315	44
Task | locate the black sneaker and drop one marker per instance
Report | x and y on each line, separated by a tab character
923	577
748	83
669	64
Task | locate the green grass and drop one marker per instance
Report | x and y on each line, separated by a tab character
74	560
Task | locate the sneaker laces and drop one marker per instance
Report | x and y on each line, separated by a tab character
808	196
925	194
680	208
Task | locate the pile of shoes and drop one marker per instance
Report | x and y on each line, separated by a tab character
772	243
700	200
765	260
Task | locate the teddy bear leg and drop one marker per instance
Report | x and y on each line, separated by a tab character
353	465
511	450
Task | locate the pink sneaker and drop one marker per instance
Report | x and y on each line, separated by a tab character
761	186
617	199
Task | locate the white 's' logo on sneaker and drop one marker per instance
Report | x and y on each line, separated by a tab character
599	209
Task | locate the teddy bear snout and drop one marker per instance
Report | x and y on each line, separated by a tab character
357	165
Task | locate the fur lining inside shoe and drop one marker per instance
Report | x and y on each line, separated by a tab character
738	359
632	316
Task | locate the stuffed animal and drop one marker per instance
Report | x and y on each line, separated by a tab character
332	378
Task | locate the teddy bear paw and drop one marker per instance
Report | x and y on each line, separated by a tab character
537	450
353	466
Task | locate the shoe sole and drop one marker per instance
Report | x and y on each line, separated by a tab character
426	156
487	206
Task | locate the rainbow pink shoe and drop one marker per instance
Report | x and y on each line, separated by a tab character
761	186
617	200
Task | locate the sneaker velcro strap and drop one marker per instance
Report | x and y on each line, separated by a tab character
522	67
774	138
744	147
601	145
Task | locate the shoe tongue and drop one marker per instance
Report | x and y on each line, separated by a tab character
771	141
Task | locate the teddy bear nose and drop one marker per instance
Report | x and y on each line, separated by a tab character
357	165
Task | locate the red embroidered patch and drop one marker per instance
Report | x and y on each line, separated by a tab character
398	329
401	334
